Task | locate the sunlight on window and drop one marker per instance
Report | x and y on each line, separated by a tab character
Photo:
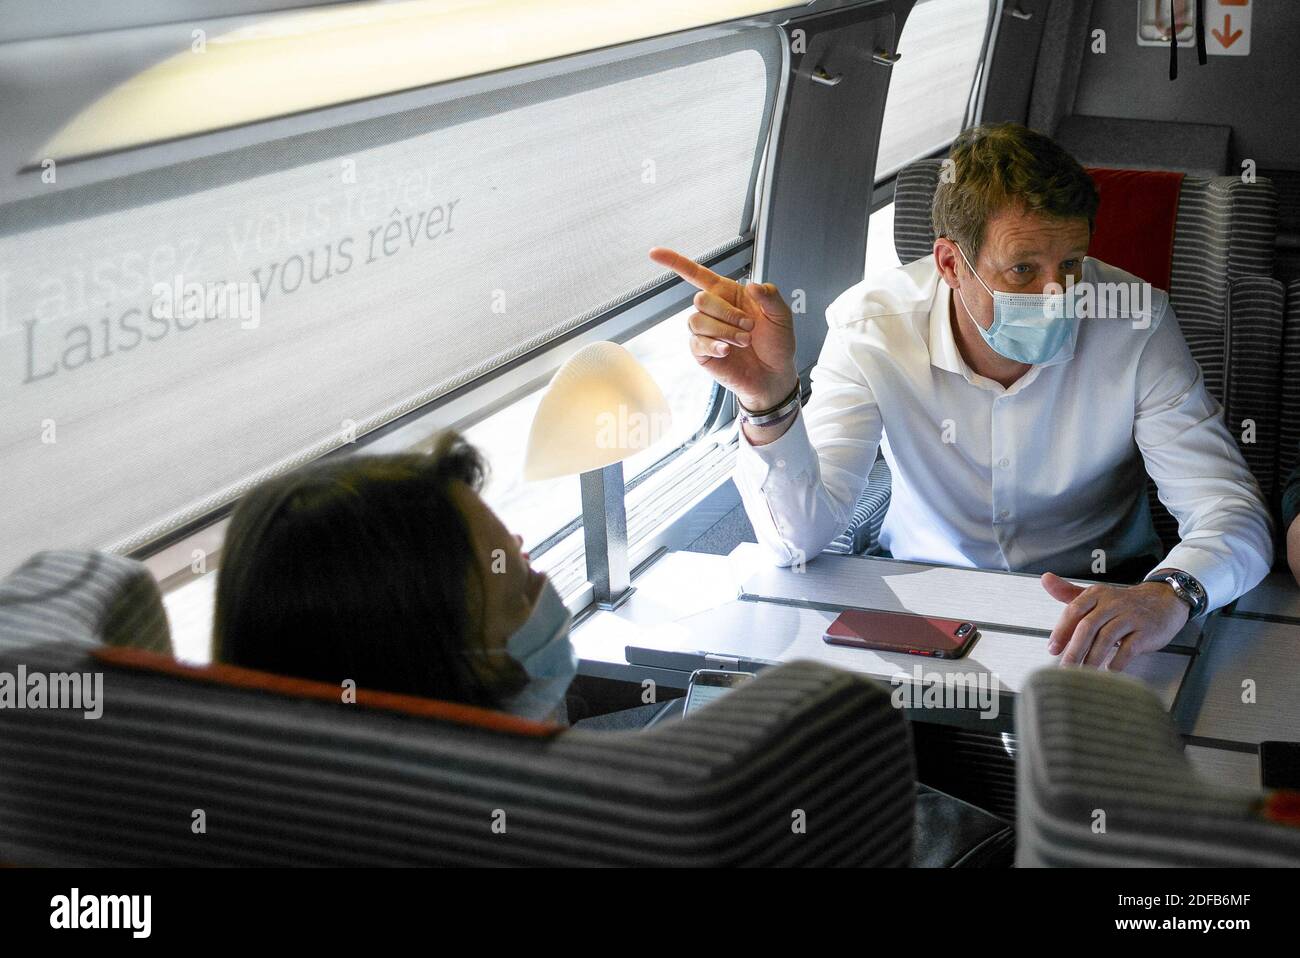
931	83
664	350
533	510
881	254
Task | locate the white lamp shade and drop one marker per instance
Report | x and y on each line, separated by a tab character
601	407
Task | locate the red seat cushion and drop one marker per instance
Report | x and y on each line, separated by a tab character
1283	807
1135	222
254	680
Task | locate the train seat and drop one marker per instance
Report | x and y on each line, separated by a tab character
1103	781
805	765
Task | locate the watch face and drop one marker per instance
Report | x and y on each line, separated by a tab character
1189	590
1185	587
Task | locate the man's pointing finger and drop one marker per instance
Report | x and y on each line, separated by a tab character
700	277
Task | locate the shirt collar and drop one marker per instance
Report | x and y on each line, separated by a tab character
943	345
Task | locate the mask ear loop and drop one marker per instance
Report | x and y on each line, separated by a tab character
978	280
972	270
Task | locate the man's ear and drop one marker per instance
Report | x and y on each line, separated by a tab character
946	259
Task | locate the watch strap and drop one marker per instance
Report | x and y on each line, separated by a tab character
1185	586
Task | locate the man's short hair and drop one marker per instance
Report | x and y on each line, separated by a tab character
1002	166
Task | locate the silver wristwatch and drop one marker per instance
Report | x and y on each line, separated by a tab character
1185	587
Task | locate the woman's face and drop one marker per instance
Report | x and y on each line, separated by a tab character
510	585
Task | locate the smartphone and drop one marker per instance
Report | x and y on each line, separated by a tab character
1279	764
708	685
902	632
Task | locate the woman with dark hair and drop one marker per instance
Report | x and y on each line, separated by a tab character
391	571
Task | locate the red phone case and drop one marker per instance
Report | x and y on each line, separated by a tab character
901	632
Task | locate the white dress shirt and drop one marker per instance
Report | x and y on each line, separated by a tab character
1034	477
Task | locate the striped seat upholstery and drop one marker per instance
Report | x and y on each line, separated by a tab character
1221	287
806	765
1230	311
82	599
1255	377
1288	446
1102	781
1287	183
913	197
868	514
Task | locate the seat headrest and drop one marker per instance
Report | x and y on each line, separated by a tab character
1135	221
82	598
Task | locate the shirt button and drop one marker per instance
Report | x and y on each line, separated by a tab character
1004	463
780	464
1002	514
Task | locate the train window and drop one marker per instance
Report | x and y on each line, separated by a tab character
533	510
179	334
663	350
931	84
941	47
881	254
254	69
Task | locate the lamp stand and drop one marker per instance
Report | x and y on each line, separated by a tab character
604	530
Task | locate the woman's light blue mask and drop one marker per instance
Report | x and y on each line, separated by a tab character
1027	327
542	648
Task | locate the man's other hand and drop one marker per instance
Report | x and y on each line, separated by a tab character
1107	626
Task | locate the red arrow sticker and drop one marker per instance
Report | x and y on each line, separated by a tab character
1228	22
1228	37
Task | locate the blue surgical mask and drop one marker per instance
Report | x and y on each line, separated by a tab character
542	648
1027	327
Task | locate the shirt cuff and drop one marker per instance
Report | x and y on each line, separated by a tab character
1210	570
791	455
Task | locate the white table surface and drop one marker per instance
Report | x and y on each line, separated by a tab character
691	602
1277	596
995	599
1228	768
1245	686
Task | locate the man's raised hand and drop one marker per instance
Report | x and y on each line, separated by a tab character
743	335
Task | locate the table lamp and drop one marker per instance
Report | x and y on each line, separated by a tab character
600	408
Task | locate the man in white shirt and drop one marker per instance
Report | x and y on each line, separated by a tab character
1016	433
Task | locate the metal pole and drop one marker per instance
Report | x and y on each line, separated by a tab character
604	530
